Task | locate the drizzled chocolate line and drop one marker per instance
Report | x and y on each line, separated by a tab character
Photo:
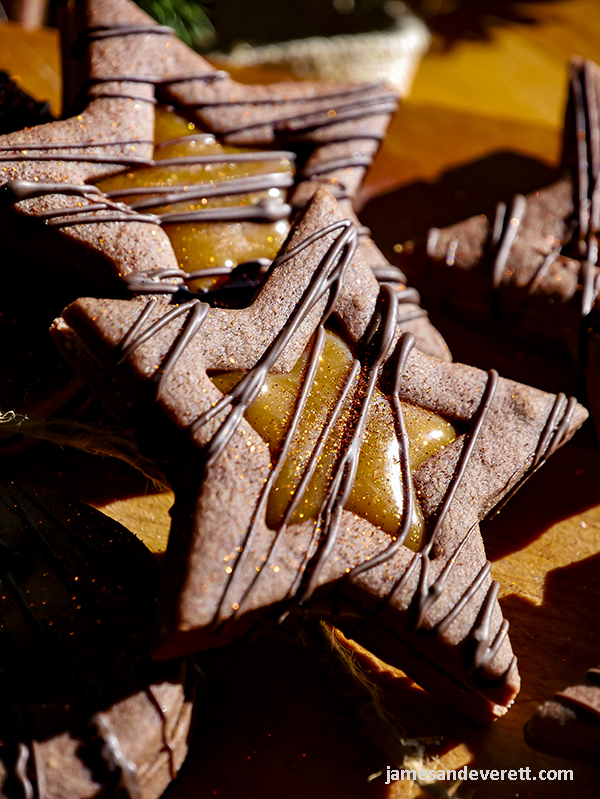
97	32
106	31
21	774
427	595
40	775
550	440
64	145
373	135
120	96
540	273
582	106
196	137
227	158
364	92
393	277
159	80
387	273
593	124
167	747
113	756
308	378
301	123
146	282
192	191
186	160
510	229
486	649
261	211
405	345
587	181
85	219
333	164
18	190
465	456
91	158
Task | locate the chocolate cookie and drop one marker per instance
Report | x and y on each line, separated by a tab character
118	61
342	476
84	710
569	724
337	125
532	268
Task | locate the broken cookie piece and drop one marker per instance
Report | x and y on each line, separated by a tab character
569	724
238	554
84	710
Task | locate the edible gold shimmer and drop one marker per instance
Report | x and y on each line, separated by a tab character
199	244
377	494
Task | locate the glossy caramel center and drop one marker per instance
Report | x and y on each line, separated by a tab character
205	244
377	493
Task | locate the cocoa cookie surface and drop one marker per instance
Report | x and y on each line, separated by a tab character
232	562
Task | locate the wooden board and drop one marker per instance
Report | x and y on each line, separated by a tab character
483	121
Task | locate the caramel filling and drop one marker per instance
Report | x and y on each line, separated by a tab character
377	493
205	244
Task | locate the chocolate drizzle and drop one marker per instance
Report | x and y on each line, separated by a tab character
18	190
165	195
339	163
167	747
587	181
115	759
184	160
348	107
586	201
512	285
21	771
505	231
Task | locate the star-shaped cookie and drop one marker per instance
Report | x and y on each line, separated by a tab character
533	267
117	61
234	562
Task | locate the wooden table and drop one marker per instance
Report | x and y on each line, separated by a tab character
483	121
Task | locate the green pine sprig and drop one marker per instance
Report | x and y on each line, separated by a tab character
188	19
